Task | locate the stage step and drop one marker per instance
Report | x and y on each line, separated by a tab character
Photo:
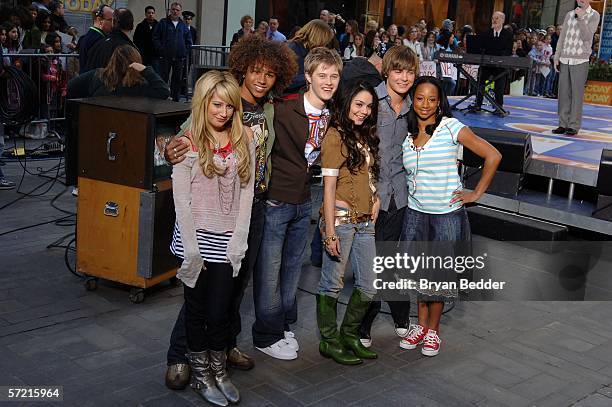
506	226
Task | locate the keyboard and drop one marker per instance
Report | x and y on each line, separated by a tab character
495	61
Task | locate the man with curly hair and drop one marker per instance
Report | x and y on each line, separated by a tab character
263	69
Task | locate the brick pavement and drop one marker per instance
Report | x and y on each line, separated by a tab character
104	350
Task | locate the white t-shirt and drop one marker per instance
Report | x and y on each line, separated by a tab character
316	131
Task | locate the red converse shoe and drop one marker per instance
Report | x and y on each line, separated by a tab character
414	338
431	344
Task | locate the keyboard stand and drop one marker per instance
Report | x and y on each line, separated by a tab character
479	88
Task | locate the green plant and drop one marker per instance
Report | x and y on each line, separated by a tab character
600	71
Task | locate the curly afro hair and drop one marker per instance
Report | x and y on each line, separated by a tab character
276	56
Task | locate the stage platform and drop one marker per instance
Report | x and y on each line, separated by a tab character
568	158
574	159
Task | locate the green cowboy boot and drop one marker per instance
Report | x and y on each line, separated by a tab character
349	331
330	346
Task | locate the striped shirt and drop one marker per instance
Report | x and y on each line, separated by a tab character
432	169
213	246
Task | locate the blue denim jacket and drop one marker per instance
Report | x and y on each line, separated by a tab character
392	130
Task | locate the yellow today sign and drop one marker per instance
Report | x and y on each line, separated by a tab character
85	6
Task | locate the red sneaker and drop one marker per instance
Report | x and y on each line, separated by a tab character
431	344
414	338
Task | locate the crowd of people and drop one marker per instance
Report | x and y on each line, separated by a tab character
243	164
42	29
165	45
426	39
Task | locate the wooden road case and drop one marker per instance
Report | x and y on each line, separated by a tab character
125	214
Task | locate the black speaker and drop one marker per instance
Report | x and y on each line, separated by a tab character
604	187
604	177
514	146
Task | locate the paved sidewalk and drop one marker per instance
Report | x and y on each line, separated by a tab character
104	350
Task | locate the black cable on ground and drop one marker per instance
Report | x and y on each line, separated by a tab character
18	97
67	261
41	173
55	198
34	225
24	195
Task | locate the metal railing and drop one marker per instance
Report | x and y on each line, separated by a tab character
207	57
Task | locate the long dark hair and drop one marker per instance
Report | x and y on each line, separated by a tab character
444	109
350	134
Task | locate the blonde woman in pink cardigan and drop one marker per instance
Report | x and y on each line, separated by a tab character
213	193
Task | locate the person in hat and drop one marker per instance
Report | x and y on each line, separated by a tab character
448	25
188	19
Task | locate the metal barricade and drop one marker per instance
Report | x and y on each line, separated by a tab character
210	56
50	74
205	58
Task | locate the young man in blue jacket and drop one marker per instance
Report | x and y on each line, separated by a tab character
172	43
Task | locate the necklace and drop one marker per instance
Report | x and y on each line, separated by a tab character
226	183
217	137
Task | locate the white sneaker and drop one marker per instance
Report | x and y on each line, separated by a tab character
291	341
401	332
366	342
75	191
280	350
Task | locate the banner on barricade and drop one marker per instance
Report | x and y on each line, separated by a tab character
472	70
427	68
448	70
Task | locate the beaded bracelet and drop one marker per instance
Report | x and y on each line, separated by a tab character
331	238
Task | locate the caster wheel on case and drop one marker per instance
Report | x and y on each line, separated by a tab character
91	283
137	295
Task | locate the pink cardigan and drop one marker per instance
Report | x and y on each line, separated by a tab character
196	202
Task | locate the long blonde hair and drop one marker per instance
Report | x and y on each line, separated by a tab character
227	89
117	72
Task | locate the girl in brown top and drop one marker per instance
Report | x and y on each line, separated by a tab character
349	161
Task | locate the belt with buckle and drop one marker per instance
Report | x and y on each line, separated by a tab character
344	216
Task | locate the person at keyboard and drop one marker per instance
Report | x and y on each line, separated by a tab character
498	42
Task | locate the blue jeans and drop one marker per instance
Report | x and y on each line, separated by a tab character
540	82
278	269
316	248
550	82
357	244
449	85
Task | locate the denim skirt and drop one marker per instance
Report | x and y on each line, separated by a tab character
440	241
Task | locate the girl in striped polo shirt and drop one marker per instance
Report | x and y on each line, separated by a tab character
436	200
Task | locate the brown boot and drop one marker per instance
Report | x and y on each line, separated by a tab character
177	376
237	359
